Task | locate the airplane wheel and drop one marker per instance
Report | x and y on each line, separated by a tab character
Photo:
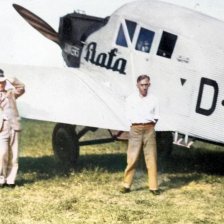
65	143
164	143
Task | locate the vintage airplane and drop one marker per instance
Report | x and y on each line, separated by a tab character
181	49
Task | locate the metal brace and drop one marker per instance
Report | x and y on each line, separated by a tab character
182	140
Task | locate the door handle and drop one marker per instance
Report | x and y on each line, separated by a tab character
183	59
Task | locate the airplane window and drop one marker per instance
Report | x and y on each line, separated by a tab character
144	41
131	28
167	44
121	40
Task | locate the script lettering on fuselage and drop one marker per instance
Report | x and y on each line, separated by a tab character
105	60
212	84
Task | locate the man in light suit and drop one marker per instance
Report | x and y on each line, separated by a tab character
9	129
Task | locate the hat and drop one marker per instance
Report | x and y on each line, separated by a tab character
2	77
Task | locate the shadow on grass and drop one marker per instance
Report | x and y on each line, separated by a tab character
187	165
182	167
47	167
109	162
48	164
33	169
193	160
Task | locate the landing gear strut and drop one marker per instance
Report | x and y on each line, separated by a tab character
66	142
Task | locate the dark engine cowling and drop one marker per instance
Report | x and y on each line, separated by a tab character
74	28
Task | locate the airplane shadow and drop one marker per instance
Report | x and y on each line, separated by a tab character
182	167
193	160
187	165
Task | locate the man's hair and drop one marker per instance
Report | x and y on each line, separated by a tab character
1	71
141	77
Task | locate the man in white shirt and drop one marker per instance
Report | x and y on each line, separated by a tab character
142	111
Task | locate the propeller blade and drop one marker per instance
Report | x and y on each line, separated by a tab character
38	23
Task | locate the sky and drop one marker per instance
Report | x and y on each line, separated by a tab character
21	44
214	8
51	10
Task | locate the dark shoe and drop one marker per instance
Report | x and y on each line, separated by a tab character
11	185
155	192
125	190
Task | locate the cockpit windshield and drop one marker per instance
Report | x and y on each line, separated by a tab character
144	40
141	38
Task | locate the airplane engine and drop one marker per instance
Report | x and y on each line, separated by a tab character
74	28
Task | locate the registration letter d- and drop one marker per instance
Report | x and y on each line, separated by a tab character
214	85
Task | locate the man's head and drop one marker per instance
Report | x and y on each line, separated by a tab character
143	83
2	80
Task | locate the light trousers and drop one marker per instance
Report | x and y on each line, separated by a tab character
8	154
142	137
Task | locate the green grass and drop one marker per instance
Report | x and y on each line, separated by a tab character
192	184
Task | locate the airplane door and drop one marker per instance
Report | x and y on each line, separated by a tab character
174	85
172	78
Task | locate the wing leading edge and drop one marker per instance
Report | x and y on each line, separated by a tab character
68	96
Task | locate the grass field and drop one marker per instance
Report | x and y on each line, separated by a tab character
192	184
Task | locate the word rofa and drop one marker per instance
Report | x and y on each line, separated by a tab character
106	60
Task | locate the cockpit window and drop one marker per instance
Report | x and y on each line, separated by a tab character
144	41
167	44
121	40
131	28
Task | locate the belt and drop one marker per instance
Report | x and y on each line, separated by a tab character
143	124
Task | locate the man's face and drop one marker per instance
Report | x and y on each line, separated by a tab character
2	86
143	86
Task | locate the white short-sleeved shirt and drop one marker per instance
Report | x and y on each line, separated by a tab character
142	109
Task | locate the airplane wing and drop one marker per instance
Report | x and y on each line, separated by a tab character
68	96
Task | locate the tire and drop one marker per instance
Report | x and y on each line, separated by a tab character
164	143
65	143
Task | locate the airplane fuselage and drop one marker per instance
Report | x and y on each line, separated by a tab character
183	57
